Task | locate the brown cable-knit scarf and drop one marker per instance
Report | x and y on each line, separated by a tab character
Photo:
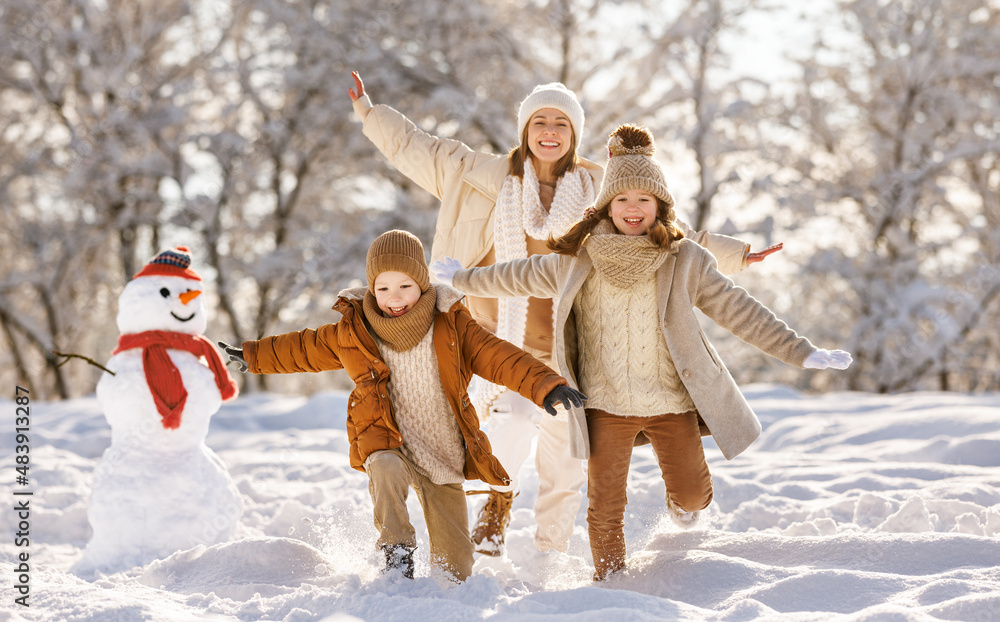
403	332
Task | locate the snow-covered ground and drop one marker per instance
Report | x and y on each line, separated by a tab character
850	507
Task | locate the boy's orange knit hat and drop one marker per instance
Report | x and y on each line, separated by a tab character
398	251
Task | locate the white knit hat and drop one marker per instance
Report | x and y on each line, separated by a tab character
551	95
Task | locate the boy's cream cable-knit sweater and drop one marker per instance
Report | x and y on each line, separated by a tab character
432	440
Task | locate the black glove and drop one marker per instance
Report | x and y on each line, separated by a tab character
235	354
565	394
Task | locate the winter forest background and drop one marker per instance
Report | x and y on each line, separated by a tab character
864	134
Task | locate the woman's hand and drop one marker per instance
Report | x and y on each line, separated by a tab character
760	255
359	85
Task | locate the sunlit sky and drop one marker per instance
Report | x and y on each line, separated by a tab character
769	38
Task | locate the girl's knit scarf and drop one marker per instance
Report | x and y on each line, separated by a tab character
520	213
624	259
403	332
163	377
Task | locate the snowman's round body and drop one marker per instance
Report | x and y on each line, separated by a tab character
157	489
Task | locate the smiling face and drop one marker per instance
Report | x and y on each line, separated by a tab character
633	211
395	293
169	303
550	135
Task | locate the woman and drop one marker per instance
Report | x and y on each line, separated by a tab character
500	208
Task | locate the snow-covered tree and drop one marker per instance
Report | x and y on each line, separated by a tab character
300	193
95	96
895	186
131	126
128	127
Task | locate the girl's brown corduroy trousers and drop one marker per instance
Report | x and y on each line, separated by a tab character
676	441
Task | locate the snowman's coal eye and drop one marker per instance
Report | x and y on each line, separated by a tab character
165	292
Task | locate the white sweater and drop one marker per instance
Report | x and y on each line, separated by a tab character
625	366
432	440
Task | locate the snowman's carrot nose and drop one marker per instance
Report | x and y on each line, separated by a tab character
187	297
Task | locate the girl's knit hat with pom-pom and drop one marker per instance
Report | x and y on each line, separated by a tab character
631	166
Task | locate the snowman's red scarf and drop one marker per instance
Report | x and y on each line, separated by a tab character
162	376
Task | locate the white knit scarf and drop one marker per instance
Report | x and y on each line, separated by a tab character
520	213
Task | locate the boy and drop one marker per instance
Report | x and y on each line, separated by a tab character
412	348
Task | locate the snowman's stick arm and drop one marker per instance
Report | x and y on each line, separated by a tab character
80	356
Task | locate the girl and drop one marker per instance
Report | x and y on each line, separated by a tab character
627	282
411	348
499	208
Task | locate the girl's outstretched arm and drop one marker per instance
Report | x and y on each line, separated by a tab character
828	359
536	276
734	309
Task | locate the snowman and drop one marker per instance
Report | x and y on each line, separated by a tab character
158	488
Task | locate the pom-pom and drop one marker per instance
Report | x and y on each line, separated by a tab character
631	139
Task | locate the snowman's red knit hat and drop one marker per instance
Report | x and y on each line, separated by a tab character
176	262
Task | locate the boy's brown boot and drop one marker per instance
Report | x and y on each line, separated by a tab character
398	557
492	522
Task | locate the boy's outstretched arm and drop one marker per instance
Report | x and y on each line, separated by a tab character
309	350
235	354
503	363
